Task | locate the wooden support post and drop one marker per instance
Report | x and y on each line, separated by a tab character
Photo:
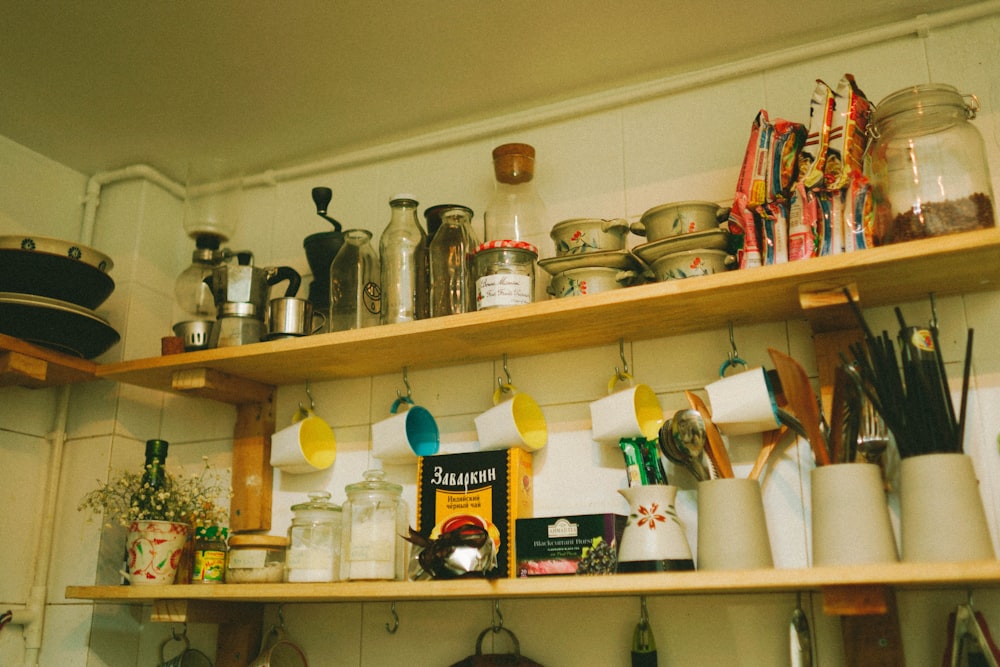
239	624
250	508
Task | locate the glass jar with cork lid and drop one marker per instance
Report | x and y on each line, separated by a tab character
516	210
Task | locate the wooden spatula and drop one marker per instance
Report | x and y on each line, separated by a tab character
802	401
716	447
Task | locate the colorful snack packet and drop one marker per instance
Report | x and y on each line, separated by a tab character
787	140
858	214
655	472
743	223
803	213
848	137
752	182
774	232
825	222
635	470
812	157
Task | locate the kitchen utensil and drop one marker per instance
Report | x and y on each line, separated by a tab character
800	637
691	263
802	401
291	317
196	334
845	417
771	440
717	452
685	217
713	239
55	324
680	437
873	438
321	197
969	640
581	236
480	659
643	641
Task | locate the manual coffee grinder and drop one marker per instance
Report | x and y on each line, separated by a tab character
241	292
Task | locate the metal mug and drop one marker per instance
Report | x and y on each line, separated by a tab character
291	316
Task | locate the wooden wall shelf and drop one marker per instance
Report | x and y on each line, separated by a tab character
961	263
25	365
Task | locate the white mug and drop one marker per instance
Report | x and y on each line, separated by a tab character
514	421
630	413
405	435
305	446
743	403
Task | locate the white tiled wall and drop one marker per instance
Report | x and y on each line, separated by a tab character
615	163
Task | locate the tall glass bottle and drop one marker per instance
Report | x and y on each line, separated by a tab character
453	280
403	256
516	211
355	295
154	473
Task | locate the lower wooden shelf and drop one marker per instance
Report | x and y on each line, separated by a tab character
902	576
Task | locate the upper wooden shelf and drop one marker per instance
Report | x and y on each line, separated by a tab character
897	575
961	263
26	365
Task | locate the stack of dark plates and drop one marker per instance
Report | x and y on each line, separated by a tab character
48	290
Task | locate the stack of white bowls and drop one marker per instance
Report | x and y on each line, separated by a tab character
684	239
591	257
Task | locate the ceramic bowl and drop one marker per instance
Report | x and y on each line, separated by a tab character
590	280
586	235
685	217
689	263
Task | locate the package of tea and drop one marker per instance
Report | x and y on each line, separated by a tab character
848	136
803	213
812	157
752	182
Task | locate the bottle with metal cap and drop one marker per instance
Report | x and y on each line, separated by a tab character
314	540
453	285
375	519
403	258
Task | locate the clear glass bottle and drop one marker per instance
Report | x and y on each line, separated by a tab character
516	211
375	519
402	252
355	295
314	540
453	281
927	165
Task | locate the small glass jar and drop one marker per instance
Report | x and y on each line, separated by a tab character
209	564
375	520
927	165
505	274
314	540
256	559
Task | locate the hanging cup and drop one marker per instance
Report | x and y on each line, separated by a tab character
405	435
515	420
743	403
633	412
306	446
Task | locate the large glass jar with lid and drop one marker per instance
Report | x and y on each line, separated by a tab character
927	165
516	210
402	250
314	540
453	283
375	519
355	295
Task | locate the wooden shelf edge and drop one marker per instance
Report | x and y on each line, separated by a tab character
48	368
902	576
956	264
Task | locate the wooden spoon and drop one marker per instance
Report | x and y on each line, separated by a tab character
716	447
771	440
802	401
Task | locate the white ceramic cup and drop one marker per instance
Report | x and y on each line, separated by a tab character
405	435
850	516
629	413
305	446
940	509
515	420
732	529
743	403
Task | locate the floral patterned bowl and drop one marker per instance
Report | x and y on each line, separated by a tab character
586	235
590	280
690	263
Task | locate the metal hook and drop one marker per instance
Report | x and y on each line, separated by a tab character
643	611
623	373
506	371
281	617
934	317
496	619
406	382
391	629
182	635
312	402
734	355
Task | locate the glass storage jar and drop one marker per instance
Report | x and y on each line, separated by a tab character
505	274
927	165
355	294
375	520
314	540
516	210
209	563
453	281
256	559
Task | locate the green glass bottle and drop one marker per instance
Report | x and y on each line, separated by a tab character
153	476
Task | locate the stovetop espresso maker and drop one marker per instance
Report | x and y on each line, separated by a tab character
241	293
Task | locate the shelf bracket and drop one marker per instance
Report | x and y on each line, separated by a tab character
22	370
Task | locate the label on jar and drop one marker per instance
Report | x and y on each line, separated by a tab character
504	289
247	558
209	566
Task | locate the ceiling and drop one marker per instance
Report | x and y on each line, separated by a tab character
269	84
